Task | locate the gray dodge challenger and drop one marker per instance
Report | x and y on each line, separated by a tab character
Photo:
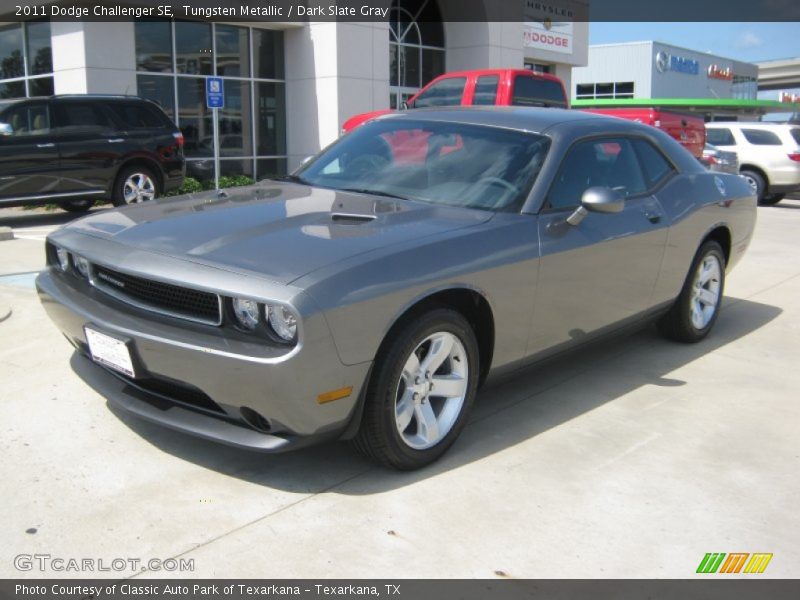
368	295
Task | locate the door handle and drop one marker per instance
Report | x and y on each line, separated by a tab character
50	145
116	141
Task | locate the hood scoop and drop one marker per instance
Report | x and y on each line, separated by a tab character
351	218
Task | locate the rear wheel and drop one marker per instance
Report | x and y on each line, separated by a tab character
421	391
76	206
757	183
696	309
771	199
134	185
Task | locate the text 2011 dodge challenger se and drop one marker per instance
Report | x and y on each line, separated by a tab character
369	294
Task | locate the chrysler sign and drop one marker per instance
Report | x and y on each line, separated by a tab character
544	30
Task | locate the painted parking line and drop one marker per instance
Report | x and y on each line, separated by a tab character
33	233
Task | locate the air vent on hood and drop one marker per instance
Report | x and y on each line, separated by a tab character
351	219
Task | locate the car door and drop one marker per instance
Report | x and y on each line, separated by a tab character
599	273
28	153
90	145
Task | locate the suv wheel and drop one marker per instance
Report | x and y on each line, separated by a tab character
77	206
772	199
756	182
134	185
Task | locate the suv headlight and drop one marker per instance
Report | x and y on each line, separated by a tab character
283	322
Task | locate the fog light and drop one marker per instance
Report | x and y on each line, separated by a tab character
63	259
246	312
284	322
82	265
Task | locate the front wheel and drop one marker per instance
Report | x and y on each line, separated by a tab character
421	392
756	183
697	307
134	185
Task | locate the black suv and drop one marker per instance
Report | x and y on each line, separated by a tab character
73	150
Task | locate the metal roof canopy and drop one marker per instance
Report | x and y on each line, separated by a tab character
704	106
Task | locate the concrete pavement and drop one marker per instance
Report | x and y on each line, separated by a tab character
632	458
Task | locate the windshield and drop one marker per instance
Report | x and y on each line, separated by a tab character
443	163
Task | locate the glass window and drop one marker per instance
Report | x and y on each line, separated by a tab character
40	53
270	168
416	46
795	134
654	165
720	137
270	119
604	90
135	115
195	118
605	163
268	54
432	65
409	66
445	92
231	168
233	51
487	168
536	91
160	90
153	46
41	86
486	90
193	48
761	137
13	89
235	126
12	63
28	120
82	118
584	90
624	88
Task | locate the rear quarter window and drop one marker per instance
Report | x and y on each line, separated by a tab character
720	137
534	91
486	90
134	115
759	137
796	135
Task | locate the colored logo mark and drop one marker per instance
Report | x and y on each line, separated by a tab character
719	562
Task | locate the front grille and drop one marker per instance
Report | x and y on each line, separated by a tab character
164	298
182	393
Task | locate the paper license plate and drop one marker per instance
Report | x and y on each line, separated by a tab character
109	351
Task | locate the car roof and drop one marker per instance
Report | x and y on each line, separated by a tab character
532	119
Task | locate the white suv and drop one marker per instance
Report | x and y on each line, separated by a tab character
769	155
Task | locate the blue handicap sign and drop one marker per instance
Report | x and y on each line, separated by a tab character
215	92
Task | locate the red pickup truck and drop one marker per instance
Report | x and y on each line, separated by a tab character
492	87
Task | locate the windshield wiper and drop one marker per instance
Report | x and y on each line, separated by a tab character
373	192
292	178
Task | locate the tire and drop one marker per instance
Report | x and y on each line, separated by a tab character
756	182
134	185
691	316
771	199
76	206
405	424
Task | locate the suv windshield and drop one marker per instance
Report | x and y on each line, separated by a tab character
443	163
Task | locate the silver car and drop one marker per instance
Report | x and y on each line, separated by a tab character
372	292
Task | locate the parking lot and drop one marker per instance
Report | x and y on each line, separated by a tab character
631	458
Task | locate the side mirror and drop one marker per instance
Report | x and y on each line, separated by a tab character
6	129
597	199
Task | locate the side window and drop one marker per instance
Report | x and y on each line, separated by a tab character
447	92
82	118
720	137
603	162
656	168
534	91
486	90
761	137
28	120
134	115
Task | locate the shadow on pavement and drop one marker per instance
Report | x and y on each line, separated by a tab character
20	219
614	367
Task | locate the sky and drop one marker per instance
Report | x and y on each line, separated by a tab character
748	42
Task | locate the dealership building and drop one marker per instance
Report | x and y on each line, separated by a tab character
288	87
666	76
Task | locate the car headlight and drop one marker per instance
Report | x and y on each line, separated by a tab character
82	265
246	312
283	322
63	259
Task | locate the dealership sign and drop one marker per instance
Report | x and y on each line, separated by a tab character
717	72
543	30
671	62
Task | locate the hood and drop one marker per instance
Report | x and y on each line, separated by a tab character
281	231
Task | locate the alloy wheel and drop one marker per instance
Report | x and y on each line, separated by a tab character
138	187
705	293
